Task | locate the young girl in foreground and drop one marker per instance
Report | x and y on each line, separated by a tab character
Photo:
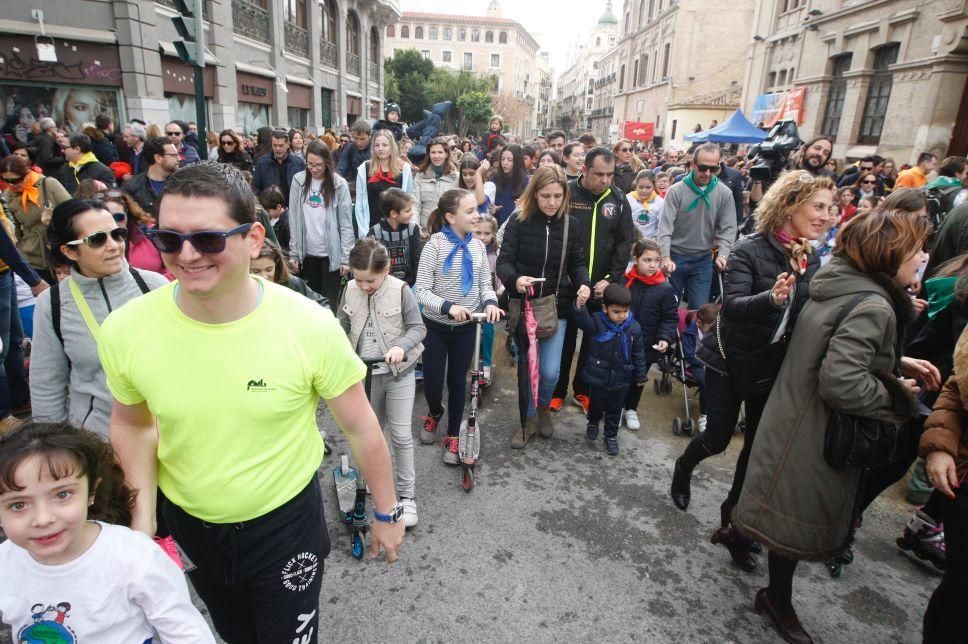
453	281
69	578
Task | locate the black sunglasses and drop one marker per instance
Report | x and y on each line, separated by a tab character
173	133
707	168
229	142
98	239
210	242
119	216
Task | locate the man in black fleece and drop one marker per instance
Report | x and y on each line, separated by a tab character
607	233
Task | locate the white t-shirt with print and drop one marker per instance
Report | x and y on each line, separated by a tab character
123	589
314	214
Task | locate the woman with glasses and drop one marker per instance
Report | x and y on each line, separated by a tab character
436	175
627	165
67	382
320	223
766	284
31	197
232	152
866	186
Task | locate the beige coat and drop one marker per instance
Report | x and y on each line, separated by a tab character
427	189
792	500
31	230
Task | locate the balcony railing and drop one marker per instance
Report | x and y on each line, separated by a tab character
297	40
328	53
374	69
352	63
250	20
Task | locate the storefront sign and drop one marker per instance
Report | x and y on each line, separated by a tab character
255	89
75	62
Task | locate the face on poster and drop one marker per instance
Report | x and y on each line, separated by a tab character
70	107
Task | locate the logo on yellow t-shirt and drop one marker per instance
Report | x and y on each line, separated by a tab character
258	386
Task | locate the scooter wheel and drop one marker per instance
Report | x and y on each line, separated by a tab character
667	386
687	428
676	426
359	545
657	386
467	479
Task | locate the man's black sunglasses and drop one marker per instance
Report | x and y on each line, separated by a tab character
210	242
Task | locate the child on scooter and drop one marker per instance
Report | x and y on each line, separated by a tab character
453	281
381	317
616	360
486	233
655	308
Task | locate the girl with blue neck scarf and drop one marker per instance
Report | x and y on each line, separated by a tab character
453	281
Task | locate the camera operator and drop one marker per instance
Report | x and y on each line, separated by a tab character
811	158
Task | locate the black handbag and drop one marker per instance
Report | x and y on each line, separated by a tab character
856	441
752	374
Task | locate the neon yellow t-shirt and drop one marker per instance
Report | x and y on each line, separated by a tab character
235	403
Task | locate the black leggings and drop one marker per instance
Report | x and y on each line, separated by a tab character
944	620
316	271
447	350
722	408
780	590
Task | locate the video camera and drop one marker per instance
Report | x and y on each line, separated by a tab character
772	154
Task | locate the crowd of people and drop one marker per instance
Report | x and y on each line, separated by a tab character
791	301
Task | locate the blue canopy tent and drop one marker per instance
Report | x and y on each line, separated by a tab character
735	129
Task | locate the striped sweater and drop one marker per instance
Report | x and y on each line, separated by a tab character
437	291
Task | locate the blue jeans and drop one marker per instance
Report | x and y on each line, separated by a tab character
13	381
693	278
549	365
487	343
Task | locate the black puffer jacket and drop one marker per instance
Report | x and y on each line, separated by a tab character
749	318
533	247
654	308
607	231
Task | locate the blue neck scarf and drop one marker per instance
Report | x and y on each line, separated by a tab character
611	331
467	262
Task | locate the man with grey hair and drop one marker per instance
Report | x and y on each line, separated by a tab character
134	140
698	215
50	157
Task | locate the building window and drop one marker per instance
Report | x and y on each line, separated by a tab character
665	61
433	33
878	95
503	38
374	50
329	22
611	40
598	42
641	12
651	9
835	98
783	77
468	60
488	36
771	83
448	33
446	57
627	16
588	104
296	12
391	31
405	31
475	35
621	78
425	53
645	69
418	33
495	60
635	74
461	34
353	33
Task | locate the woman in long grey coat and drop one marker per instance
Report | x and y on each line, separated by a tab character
793	502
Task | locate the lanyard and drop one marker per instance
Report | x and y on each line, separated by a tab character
85	310
591	256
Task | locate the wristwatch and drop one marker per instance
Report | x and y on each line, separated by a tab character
396	512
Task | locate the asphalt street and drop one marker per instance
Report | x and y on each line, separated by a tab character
560	542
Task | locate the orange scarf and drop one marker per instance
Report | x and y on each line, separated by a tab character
30	192
646	201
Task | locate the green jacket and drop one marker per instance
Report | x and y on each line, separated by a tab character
792	500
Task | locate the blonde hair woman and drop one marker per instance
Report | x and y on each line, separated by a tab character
627	165
385	169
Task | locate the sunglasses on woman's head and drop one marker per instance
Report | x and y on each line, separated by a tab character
14	180
98	239
210	242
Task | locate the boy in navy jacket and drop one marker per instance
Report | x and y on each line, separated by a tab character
616	360
700	325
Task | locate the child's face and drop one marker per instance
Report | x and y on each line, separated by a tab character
495	126
662	183
62	273
704	326
647	263
617	314
402	217
484	232
469	175
644	187
277	212
864	205
465	219
846	197
370	281
48	517
263	267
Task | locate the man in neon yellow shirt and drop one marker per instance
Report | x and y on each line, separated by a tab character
231	368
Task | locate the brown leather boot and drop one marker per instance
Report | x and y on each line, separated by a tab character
546	429
523	435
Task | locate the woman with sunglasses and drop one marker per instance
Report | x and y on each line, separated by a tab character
232	152
866	186
138	250
30	198
67	382
627	165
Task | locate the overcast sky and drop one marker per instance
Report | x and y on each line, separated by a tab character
554	24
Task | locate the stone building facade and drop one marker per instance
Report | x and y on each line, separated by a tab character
883	76
298	63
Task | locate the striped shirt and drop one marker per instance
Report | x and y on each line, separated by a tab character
437	291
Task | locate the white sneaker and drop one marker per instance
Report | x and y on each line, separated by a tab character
488	375
631	419
702	422
409	512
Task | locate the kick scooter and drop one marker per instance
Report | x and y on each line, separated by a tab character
469	441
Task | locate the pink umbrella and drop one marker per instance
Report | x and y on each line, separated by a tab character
531	327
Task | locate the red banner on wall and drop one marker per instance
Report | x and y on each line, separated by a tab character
790	107
636	131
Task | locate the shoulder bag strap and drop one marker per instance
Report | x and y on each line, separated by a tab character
564	251
55	310
140	280
84	309
43	189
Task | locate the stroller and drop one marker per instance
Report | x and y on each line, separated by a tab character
673	365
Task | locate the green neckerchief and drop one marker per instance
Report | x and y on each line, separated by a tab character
438	169
703	193
941	293
944	182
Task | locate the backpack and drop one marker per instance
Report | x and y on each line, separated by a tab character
940	201
55	303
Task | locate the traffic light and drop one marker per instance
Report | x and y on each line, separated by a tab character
190	48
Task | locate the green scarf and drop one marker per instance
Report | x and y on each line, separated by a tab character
703	193
944	182
438	169
941	293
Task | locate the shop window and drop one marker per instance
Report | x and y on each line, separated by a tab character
835	96
251	116
878	95
298	117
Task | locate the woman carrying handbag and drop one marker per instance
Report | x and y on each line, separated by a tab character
542	249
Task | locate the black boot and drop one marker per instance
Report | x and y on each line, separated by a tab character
681	479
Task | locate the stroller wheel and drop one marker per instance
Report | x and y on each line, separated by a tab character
667	386
676	426
657	385
687	428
